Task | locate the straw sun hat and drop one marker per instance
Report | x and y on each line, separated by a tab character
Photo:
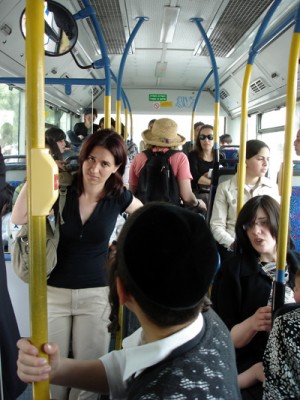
163	134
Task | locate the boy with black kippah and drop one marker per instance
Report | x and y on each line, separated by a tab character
165	261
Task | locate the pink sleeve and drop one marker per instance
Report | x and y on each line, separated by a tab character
181	166
135	168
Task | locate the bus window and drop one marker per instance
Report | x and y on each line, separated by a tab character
9	119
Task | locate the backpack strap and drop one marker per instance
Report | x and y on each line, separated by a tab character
169	153
148	153
63	190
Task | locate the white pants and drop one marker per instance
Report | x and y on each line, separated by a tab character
78	320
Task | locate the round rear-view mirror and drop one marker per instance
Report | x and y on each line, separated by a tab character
61	30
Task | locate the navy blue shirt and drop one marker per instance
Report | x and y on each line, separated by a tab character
82	249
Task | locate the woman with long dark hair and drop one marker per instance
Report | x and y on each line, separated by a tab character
77	288
201	161
242	291
224	211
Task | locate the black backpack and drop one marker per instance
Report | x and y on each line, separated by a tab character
157	181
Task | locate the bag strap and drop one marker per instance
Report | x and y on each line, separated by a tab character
63	190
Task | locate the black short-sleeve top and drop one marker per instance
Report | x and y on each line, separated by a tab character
82	249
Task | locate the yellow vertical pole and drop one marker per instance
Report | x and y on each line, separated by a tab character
118	116
243	138
131	124
35	126
126	124
192	127
216	122
291	99
107	112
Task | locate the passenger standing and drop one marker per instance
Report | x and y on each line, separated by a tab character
162	137
78	306
10	385
83	129
188	146
201	162
225	203
142	143
282	355
182	350
242	290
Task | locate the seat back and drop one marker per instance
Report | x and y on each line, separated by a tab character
218	176
15	166
295	209
230	154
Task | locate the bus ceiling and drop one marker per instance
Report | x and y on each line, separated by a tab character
168	59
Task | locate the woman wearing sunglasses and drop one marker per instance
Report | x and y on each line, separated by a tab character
201	161
256	183
242	289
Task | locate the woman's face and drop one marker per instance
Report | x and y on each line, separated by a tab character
206	138
258	232
99	166
61	145
258	165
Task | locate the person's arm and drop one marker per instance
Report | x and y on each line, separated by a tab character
19	212
188	196
251	376
197	170
281	359
134	205
244	332
218	221
86	375
133	177
204	180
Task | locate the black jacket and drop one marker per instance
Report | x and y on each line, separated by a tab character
240	288
9	332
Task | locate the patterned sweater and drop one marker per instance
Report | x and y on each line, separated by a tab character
203	368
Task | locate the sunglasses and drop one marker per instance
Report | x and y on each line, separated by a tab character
209	137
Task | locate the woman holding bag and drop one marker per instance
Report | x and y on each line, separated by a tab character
77	288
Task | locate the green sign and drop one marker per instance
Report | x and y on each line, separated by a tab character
158	97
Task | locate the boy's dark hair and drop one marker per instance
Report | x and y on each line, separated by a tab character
166	258
199	123
225	138
112	122
88	111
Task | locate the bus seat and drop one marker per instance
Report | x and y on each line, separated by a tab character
230	154
221	175
15	166
295	208
295	216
